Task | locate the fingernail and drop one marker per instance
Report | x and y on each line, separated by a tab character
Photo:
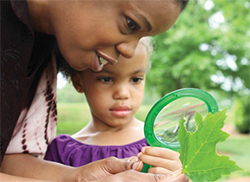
132	159
138	155
137	165
143	150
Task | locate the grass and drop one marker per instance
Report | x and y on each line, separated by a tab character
73	116
238	150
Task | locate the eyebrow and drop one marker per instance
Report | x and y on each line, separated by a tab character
137	71
140	70
148	23
149	26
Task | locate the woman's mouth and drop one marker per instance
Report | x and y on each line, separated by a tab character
104	57
98	63
102	61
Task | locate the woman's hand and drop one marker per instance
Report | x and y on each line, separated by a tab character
122	170
164	161
104	168
132	175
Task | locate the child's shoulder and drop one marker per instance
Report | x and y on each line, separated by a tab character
61	138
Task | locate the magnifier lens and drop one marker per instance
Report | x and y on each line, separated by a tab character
167	121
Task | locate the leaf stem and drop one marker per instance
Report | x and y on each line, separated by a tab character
175	173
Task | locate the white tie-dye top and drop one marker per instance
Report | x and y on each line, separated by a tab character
36	126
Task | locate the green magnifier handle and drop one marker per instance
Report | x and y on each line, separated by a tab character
145	168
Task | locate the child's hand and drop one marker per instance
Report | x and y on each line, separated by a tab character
164	161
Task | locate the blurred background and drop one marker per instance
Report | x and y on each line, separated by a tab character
208	48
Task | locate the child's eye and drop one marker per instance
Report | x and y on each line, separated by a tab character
105	79
136	79
131	24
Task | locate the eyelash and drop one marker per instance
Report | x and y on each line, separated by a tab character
134	27
137	79
105	79
108	79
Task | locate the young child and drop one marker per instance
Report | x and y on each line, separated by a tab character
114	96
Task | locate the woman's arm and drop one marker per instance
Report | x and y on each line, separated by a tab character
110	169
28	166
6	177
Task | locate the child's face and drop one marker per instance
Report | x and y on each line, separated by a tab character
115	94
88	30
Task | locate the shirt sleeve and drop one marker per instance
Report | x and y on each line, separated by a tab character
36	125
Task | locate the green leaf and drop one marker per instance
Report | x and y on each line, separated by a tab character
200	161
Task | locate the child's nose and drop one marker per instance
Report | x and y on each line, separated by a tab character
127	49
121	92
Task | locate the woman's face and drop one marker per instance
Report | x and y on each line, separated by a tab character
90	31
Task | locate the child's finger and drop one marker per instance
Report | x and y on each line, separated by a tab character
160	152
159	170
177	176
160	162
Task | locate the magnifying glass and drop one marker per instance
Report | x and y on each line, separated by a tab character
162	122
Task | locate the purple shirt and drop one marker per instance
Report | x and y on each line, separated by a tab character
66	150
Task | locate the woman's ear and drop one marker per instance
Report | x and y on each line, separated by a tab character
77	82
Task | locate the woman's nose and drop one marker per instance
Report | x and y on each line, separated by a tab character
127	49
121	92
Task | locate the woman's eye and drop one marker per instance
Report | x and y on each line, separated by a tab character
105	79
131	24
135	80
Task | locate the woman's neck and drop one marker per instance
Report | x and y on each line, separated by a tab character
38	10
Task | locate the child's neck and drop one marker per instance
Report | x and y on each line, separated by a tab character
98	134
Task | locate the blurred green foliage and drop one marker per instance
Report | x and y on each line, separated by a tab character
241	114
68	94
207	48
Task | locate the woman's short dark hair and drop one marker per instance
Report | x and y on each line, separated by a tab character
184	3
